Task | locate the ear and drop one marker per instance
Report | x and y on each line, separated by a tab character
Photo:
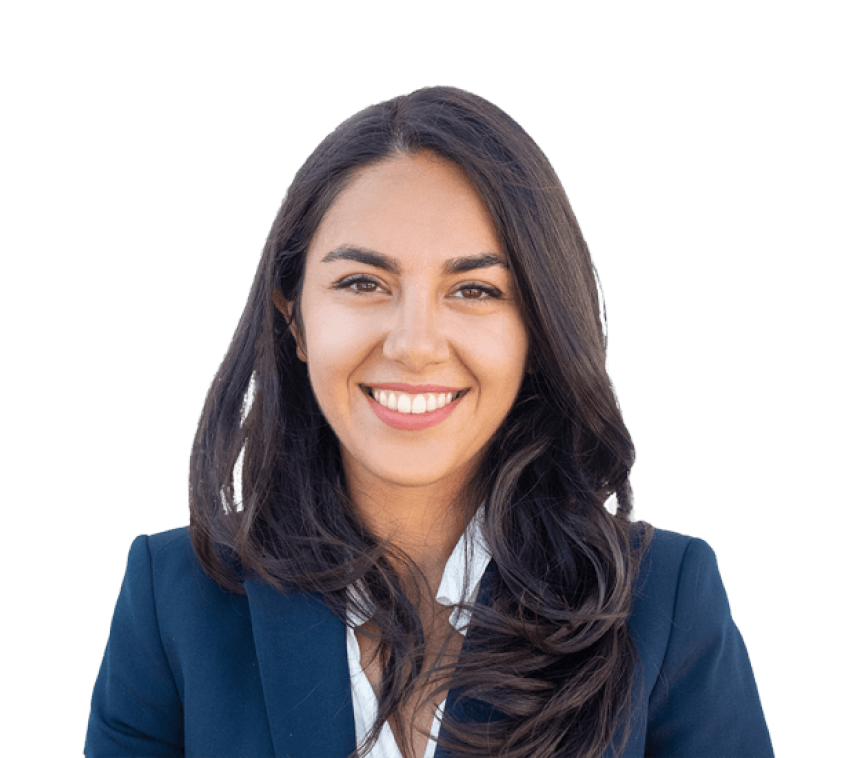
286	308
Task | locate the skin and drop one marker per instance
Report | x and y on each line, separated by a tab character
411	320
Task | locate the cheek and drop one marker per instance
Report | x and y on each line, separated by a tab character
498	355
330	341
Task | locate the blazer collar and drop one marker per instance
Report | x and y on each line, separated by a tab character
301	651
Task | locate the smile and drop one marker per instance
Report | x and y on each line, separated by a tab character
409	411
404	402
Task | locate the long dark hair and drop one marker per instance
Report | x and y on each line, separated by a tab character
549	650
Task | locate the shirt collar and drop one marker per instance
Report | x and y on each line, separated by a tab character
464	570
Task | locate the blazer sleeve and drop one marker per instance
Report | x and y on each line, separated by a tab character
705	703
136	708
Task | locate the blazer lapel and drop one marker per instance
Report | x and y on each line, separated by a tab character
301	651
463	710
303	663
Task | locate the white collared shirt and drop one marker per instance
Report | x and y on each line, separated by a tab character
467	562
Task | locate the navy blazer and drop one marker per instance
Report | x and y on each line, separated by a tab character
192	669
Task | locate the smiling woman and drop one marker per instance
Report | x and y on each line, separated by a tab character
420	561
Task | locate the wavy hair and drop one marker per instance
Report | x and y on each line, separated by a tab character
549	652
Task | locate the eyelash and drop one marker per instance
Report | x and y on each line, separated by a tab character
351	282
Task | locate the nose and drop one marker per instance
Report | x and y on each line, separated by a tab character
415	338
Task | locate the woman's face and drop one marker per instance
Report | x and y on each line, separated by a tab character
410	325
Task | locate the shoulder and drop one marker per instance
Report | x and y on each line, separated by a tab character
165	554
166	584
678	589
668	549
172	554
175	544
698	687
666	574
165	569
668	557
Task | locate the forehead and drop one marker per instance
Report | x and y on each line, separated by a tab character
409	206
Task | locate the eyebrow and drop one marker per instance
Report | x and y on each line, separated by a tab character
379	260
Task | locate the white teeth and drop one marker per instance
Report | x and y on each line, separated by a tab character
405	403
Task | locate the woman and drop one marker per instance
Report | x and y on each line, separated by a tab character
419	551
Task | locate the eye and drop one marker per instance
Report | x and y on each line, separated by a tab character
491	293
356	282
350	282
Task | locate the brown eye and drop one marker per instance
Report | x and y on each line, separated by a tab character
477	292
362	285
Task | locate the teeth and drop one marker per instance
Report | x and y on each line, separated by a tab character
405	403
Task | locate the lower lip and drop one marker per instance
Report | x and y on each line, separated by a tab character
412	422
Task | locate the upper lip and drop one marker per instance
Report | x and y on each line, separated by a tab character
412	389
